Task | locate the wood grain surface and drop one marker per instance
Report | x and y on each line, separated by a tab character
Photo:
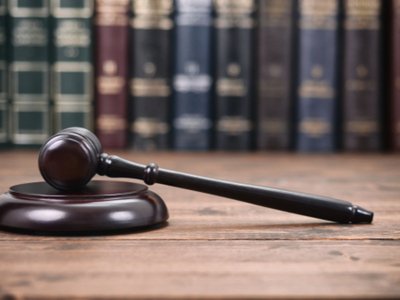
218	248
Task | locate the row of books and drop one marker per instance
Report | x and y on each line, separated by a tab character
309	75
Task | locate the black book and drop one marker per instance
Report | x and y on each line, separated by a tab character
150	87
234	26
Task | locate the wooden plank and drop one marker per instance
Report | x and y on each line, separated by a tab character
215	269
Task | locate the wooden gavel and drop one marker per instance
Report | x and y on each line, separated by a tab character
69	159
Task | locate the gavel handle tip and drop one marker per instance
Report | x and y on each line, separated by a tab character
362	215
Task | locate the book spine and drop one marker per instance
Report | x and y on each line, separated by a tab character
72	71
317	75
149	86
3	75
362	72
275	44
29	71
395	76
112	36
234	29
192	79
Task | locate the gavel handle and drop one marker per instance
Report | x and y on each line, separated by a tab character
300	203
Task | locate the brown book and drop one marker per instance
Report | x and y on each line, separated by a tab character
362	93
275	44
112	32
395	75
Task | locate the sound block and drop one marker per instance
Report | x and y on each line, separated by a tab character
100	206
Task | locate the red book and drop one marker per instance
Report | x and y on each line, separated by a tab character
395	76
111	47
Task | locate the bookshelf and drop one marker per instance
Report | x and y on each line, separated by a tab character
285	75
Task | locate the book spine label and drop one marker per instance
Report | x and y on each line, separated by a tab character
29	71
362	68
112	35
395	76
275	43
72	71
192	78
149	86
234	26
3	76
317	75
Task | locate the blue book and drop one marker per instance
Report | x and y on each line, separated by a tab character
317	75
192	79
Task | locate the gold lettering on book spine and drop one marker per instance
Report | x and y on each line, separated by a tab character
317	14
316	86
363	127
112	13
234	6
275	126
71	33
361	82
148	127
141	87
152	14
315	127
152	7
233	13
362	14
234	125
275	13
109	83
111	123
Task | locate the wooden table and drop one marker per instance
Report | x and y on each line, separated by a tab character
219	248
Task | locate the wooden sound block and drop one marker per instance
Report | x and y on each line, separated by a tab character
100	206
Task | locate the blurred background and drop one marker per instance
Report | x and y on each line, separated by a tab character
201	75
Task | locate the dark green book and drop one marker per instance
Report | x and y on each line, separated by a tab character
29	71
3	76
72	71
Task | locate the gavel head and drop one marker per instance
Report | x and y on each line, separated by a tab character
69	159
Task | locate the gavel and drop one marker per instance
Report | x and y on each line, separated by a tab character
69	159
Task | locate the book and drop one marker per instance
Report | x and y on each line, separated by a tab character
317	73
112	40
395	76
192	78
72	71
362	101
276	49
234	102
150	86
3	75
29	71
